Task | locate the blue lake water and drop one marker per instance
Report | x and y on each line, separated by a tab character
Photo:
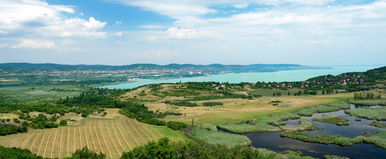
280	76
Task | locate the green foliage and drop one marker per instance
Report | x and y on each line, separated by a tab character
164	149
339	140
182	103
323	109
378	124
96	97
7	129
368	113
275	102
176	125
41	122
142	114
210	104
274	122
16	120
333	119
63	123
85	153
369	102
49	108
210	135
366	95
17	153
153	121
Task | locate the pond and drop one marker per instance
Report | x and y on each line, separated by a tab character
274	141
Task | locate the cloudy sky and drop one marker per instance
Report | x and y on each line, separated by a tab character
310	32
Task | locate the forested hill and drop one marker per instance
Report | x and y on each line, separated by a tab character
212	67
351	79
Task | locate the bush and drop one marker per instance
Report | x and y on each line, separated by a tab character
184	103
209	104
63	123
6	129
153	121
176	125
164	149
17	153
16	120
85	153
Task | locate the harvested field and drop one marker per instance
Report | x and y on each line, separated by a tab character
111	135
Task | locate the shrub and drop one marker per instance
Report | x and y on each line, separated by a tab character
176	125
63	123
209	104
17	153
85	153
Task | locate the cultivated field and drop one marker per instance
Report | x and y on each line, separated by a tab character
110	135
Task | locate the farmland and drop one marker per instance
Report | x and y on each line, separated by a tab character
110	135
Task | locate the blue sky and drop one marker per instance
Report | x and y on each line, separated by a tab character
117	32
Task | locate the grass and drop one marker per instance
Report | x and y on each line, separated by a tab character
334	157
39	93
212	136
273	123
377	124
377	139
237	110
333	119
339	140
323	109
304	125
369	102
264	124
110	135
368	113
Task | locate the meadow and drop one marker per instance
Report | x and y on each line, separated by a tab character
369	113
39	93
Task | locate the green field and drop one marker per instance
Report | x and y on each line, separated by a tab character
377	139
369	113
369	102
333	119
39	93
212	136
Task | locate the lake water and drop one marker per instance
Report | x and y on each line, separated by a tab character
274	141
280	76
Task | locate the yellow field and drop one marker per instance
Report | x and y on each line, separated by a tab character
110	135
238	109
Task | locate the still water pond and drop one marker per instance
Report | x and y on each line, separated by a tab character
274	142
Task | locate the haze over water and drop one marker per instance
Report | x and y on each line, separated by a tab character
280	76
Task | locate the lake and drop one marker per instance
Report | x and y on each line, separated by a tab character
280	76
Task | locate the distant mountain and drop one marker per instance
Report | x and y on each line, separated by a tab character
209	68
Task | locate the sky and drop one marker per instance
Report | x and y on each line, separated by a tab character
120	32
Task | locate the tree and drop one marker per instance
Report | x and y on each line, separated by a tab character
63	123
85	153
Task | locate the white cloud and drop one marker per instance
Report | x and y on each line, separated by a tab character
94	24
181	33
35	44
38	18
